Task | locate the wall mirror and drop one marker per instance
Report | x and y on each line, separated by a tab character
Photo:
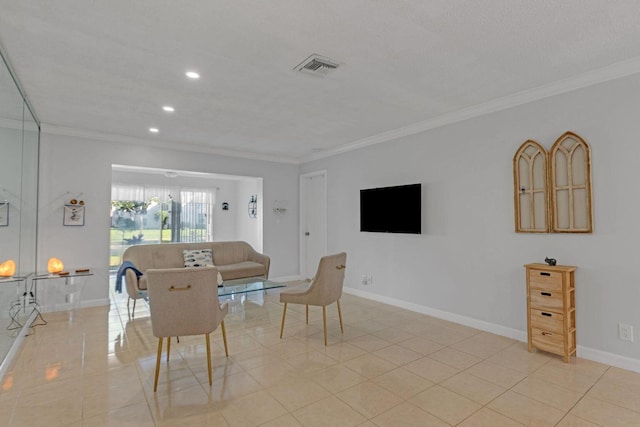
19	147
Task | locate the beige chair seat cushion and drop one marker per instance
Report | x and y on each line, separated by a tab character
296	297
241	270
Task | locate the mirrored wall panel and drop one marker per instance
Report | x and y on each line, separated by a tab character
19	147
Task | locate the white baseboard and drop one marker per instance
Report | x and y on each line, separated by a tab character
622	362
601	356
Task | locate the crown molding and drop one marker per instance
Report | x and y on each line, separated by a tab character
169	145
589	78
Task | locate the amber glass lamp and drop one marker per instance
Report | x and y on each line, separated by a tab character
8	268
55	265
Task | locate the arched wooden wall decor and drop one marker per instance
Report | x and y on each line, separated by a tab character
570	181
530	192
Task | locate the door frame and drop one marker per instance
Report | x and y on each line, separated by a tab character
303	216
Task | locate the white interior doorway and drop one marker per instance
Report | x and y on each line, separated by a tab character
313	221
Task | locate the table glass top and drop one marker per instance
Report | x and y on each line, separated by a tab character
251	284
13	279
71	273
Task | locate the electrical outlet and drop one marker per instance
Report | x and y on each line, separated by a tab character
365	280
625	332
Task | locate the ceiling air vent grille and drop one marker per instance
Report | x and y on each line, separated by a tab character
316	65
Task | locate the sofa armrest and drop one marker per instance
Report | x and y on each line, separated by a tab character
261	259
131	282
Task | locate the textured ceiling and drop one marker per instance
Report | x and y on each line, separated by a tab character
107	66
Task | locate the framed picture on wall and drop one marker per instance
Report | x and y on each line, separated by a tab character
4	213
73	215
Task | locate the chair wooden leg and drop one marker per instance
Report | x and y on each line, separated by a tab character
340	316
155	382
209	357
224	338
324	323
307	314
168	348
284	314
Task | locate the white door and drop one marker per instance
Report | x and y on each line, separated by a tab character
313	221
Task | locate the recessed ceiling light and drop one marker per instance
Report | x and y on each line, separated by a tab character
192	75
168	109
154	130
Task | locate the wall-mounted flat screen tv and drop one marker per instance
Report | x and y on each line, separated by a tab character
392	209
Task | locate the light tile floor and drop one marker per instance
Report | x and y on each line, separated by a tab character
391	367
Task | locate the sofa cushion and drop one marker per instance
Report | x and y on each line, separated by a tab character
197	257
241	270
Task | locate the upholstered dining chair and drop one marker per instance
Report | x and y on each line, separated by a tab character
184	301
325	289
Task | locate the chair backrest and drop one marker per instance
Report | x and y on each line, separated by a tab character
326	287
183	301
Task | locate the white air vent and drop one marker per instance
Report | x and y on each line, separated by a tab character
316	65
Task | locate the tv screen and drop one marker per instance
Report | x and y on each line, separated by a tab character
392	209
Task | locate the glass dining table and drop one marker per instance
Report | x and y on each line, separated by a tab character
246	285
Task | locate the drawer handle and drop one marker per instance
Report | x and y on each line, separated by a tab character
546	294
547	334
546	314
545	274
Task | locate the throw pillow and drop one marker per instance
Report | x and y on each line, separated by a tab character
199	258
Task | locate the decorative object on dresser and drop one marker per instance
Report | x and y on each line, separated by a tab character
552	191
551	309
550	261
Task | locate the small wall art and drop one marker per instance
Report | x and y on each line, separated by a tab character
4	213
73	215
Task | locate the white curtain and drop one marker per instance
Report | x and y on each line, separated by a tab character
198	196
142	193
127	192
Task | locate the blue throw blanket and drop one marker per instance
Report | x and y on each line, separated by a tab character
122	271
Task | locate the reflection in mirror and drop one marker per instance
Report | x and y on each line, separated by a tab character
19	146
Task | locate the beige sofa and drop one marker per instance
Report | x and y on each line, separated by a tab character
234	260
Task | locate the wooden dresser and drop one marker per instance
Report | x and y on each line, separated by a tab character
551	309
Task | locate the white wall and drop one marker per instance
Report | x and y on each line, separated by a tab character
468	261
74	165
224	222
247	228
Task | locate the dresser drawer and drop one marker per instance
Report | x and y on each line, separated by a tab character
548	280
545	298
548	341
547	321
